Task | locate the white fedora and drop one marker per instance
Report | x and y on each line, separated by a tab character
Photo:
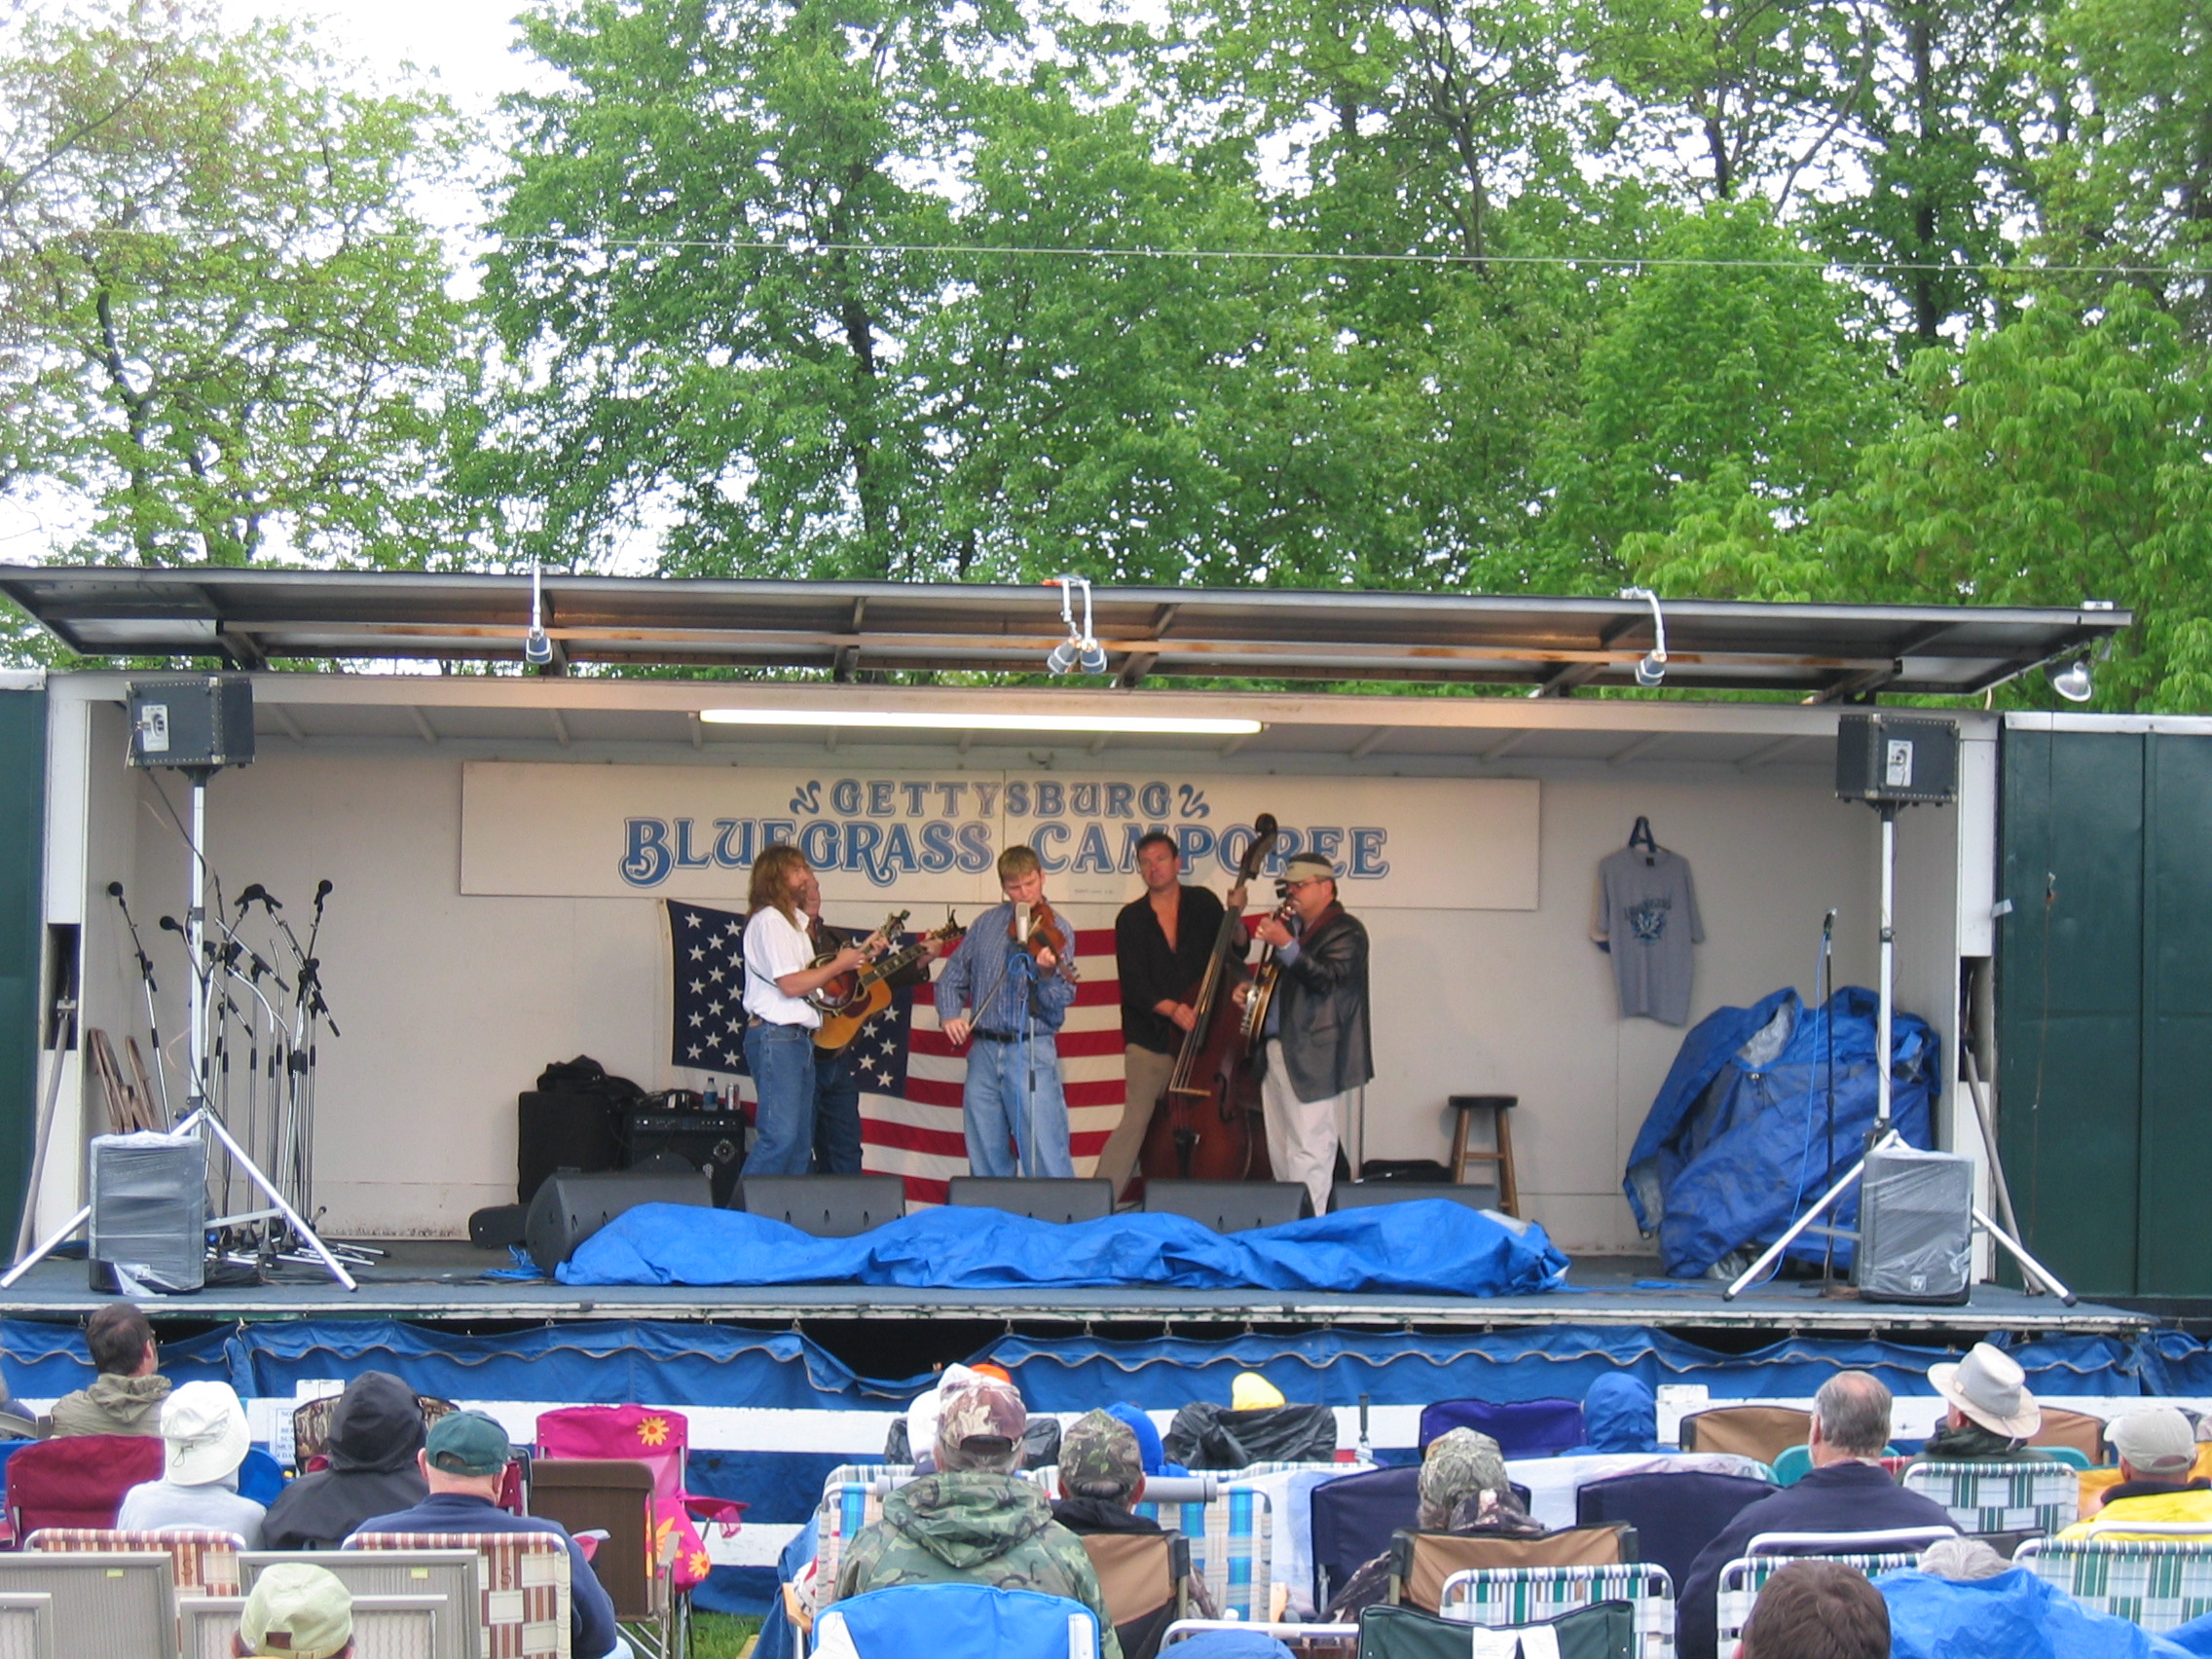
1989	1386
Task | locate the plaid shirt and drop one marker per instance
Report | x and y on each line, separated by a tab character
974	966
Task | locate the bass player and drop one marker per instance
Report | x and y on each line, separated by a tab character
1163	945
1314	1049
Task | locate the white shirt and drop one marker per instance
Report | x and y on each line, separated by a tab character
775	946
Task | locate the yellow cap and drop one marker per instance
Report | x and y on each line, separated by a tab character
1251	1391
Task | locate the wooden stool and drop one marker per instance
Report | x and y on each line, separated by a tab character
1500	1108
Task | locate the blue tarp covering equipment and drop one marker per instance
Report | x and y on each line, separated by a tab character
1736	1142
2015	1615
1428	1247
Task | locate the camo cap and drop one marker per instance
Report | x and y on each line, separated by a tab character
1455	1464
1099	1457
976	1407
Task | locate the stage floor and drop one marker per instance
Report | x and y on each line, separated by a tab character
442	1282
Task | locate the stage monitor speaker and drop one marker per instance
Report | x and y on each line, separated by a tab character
572	1129
149	1229
825	1207
495	1226
708	1141
1915	1228
1060	1198
571	1207
1229	1207
1363	1194
191	719
1893	759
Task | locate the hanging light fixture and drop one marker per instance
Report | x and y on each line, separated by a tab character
1081	648
1651	669
536	644
2073	682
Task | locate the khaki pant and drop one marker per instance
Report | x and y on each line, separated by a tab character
1145	1074
1302	1134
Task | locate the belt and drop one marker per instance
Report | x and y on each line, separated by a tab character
996	1036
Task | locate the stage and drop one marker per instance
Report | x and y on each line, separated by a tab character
442	1282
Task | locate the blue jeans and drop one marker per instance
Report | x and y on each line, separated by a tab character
781	1059
1013	1100
837	1114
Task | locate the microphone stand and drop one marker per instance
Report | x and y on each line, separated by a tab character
146	981
1826	990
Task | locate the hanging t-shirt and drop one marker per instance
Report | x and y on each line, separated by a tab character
1648	913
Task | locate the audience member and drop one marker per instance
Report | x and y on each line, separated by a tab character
1817	1610
976	1520
375	1432
296	1611
1619	1414
205	1440
1462	1489
464	1464
1848	1491
1991	1411
2157	1454
1101	1483
1148	1439
1961	1561
127	1396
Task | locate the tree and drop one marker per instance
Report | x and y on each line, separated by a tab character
222	331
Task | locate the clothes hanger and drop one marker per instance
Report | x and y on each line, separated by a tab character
1641	835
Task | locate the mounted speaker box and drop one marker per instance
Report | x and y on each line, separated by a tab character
1915	1228
1888	758
569	1207
194	720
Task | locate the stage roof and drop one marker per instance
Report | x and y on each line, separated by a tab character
1552	645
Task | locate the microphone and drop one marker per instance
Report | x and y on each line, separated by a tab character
115	890
257	892
1827	926
323	889
169	924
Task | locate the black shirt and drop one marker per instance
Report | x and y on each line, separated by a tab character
1153	974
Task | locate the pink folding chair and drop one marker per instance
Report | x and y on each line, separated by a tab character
661	1440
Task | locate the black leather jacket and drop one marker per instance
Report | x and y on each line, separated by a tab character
1321	1028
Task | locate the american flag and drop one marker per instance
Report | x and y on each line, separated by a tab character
911	1076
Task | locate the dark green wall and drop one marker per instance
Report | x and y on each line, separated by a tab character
23	835
2104	1005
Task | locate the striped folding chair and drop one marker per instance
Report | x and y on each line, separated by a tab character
202	1562
2157	1582
1508	1596
1738	1588
2001	1497
524	1585
1232	1545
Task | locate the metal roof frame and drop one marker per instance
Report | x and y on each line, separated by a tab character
253	618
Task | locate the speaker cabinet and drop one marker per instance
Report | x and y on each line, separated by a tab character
1061	1198
191	719
149	1213
569	1207
825	1207
712	1142
566	1130
1893	759
1915	1228
1229	1207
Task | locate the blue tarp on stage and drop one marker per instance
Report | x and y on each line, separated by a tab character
1736	1142
1428	1247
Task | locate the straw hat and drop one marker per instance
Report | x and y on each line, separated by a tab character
1989	1386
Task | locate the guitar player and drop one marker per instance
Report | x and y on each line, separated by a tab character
836	1086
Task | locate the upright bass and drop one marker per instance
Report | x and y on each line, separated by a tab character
1207	1125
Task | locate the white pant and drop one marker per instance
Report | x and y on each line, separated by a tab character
1302	1134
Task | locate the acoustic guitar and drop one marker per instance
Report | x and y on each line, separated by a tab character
872	993
835	995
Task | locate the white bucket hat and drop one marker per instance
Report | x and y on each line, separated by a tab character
204	1426
1989	1386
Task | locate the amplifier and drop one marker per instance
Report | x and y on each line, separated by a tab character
708	1141
149	1212
571	1129
1915	1228
569	1207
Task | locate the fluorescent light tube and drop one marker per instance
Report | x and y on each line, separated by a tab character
1185	725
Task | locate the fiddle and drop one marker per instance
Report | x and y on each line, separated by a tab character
1040	937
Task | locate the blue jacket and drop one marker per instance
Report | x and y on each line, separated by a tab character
591	1613
1619	1414
975	965
1843	1497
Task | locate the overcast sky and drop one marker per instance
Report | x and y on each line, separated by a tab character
467	45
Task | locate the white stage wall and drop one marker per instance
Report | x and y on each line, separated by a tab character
452	1001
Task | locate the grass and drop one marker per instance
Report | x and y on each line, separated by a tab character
720	1635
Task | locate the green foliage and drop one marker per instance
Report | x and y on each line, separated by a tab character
221	333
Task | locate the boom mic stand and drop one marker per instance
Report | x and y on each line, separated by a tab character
146	981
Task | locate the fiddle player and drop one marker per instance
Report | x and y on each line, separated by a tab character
836	1086
1011	1001
1164	943
1314	1049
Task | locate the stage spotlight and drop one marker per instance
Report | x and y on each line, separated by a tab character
536	644
1651	669
2072	681
1081	648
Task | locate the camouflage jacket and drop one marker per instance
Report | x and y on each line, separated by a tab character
972	1528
